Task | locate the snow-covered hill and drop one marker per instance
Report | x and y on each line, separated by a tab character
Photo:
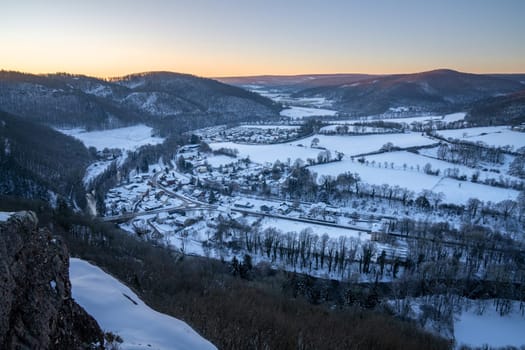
65	100
119	310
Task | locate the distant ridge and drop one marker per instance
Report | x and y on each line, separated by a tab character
162	99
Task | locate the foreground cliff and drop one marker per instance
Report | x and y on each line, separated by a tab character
36	308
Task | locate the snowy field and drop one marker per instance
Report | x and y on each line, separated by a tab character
217	161
295	112
402	158
496	136
270	127
119	310
490	328
354	145
454	191
454	117
269	153
448	118
284	226
5	215
128	138
360	129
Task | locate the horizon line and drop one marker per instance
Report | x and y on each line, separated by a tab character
257	75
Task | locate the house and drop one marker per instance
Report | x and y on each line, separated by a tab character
245	205
266	208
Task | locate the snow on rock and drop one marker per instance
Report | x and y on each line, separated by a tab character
119	310
128	138
4	215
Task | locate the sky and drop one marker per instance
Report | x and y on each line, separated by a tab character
216	38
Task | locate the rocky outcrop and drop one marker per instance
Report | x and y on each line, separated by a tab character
36	307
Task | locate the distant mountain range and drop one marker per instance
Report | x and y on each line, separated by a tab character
153	98
296	82
433	91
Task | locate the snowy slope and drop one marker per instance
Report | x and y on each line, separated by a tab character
354	145
119	310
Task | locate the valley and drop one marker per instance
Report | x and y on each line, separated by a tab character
262	175
341	200
419	210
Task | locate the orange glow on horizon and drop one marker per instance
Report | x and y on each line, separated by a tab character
245	38
213	72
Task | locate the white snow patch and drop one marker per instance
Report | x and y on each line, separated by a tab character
353	145
118	309
217	161
490	328
5	215
284	225
269	153
295	112
128	138
496	136
454	191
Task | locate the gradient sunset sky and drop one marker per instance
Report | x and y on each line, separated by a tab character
252	37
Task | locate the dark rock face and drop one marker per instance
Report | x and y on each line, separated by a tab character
36	307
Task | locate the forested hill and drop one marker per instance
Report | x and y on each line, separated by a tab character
39	162
154	98
432	91
507	109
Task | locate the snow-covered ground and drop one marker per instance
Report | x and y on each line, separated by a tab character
94	170
295	112
496	136
270	127
454	117
454	191
349	145
354	145
490	328
128	138
403	158
284	226
217	161
269	153
119	310
448	118
4	215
